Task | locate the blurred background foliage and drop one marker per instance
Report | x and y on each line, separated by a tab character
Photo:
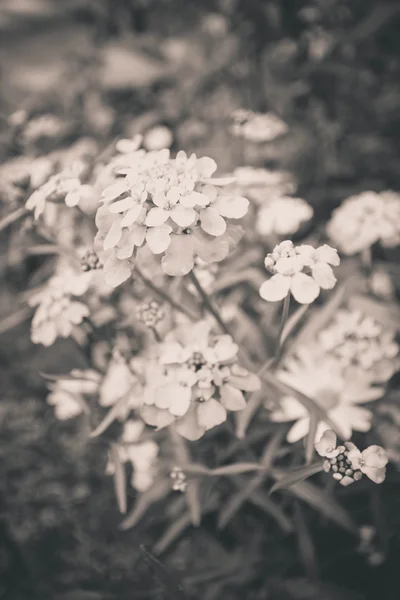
100	68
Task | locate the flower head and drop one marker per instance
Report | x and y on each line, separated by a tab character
323	380
67	394
64	186
258	127
288	263
283	215
365	219
348	463
172	206
194	380
58	309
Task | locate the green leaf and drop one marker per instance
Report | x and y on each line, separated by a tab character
245	416
321	501
146	499
292	322
173	532
262	500
12	217
314	421
119	479
236	469
296	475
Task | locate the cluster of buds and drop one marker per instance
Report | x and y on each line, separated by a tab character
90	261
347	463
179	479
288	264
150	313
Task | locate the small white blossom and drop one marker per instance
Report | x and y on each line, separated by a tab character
258	127
288	263
365	219
67	395
283	215
323	381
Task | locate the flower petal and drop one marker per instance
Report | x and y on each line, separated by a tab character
212	222
116	271
156	217
323	275
299	430
179	257
232	207
375	456
115	190
210	413
327	443
121	205
328	255
131	216
354	457
376	475
206	166
113	236
232	398
210	249
275	288
189	427
183	216
125	246
158	238
304	289
247	383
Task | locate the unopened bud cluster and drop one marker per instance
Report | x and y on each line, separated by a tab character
342	468
179	479
150	313
90	261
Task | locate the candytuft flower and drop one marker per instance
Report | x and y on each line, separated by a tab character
194	380
288	263
258	127
172	206
67	394
283	215
365	219
348	463
323	381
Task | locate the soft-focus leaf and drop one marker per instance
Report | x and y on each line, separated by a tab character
245	416
110	417
292	322
146	499
235	469
318	499
314	421
119	479
172	586
296	475
261	499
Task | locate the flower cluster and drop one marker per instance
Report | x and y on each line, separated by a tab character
288	263
194	380
150	313
357	339
170	205
348	464
63	186
67	394
142	454
323	380
58	311
365	219
179	479
283	215
262	184
258	127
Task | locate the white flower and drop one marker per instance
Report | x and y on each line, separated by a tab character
118	382
158	201
372	462
323	381
262	184
288	263
283	215
65	186
158	137
67	395
141	454
194	381
356	339
58	311
365	219
258	127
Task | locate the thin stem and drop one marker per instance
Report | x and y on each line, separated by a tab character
12	217
284	318
208	303
157	336
162	294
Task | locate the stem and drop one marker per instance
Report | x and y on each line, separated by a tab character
208	304
157	336
162	294
366	259
12	217
284	318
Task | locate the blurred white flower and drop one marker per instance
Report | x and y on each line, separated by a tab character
64	186
323	381
262	184
67	395
157	138
365	219
142	454
356	339
381	284
258	127
194	380
288	263
58	311
283	215
372	462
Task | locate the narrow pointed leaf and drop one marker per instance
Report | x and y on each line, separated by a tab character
314	421
119	479
296	475
145	500
236	469
172	586
110	417
261	499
